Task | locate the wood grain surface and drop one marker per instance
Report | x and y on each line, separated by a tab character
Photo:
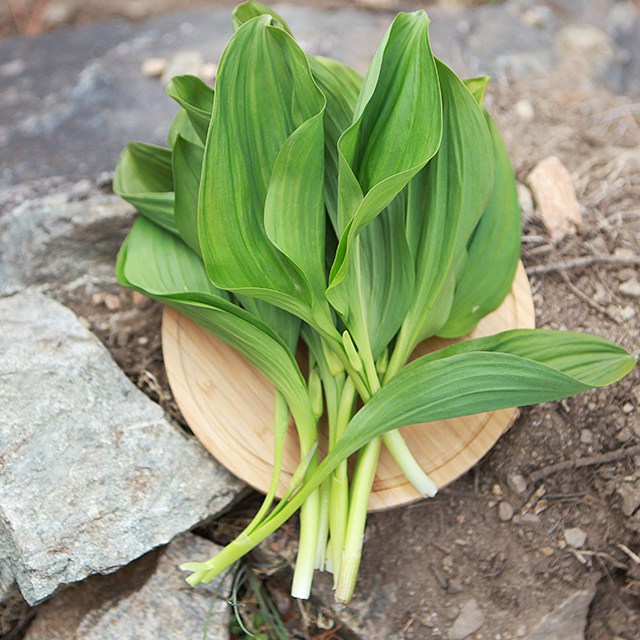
229	407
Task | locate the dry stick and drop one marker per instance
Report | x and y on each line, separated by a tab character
590	461
583	261
583	296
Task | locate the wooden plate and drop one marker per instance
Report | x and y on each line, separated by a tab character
229	406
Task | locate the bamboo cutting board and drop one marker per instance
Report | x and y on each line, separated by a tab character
229	407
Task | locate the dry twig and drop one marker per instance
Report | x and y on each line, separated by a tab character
583	261
590	461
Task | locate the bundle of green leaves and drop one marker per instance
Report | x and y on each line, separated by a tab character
301	202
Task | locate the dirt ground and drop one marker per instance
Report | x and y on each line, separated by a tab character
472	551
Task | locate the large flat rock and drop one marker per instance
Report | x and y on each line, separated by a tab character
92	474
146	600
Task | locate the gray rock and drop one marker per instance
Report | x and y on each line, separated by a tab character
146	600
55	241
92	473
505	511
568	621
469	621
575	537
517	483
630	288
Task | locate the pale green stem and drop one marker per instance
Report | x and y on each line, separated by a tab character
360	491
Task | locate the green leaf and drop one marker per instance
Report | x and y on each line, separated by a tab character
248	10
187	169
267	108
445	202
340	85
396	130
477	87
196	98
515	368
161	266
493	252
144	178
181	126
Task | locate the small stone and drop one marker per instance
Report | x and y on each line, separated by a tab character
143	340
209	72
505	511
524	109
527	518
537	17
13	68
553	192
379	5
575	537
57	14
624	435
517	483
454	587
586	436
112	302
630	495
469	621
153	67
627	313
525	200
627	408
141	301
567	621
98	298
584	40
452	613
183	63
496	490
600	294
630	288
546	551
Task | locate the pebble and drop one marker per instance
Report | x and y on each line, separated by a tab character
630	288
183	63
546	551
553	192
627	408
517	483
627	313
586	436
153	67
209	71
575	537
497	491
505	511
112	302
527	518
524	109
469	621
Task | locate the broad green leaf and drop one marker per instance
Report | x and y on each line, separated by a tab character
493	252
248	10
340	85
181	126
161	266
187	169
477	87
397	129
196	98
377	291
144	178
265	94
515	368
445	202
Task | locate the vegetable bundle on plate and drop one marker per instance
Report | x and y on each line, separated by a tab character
302	202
